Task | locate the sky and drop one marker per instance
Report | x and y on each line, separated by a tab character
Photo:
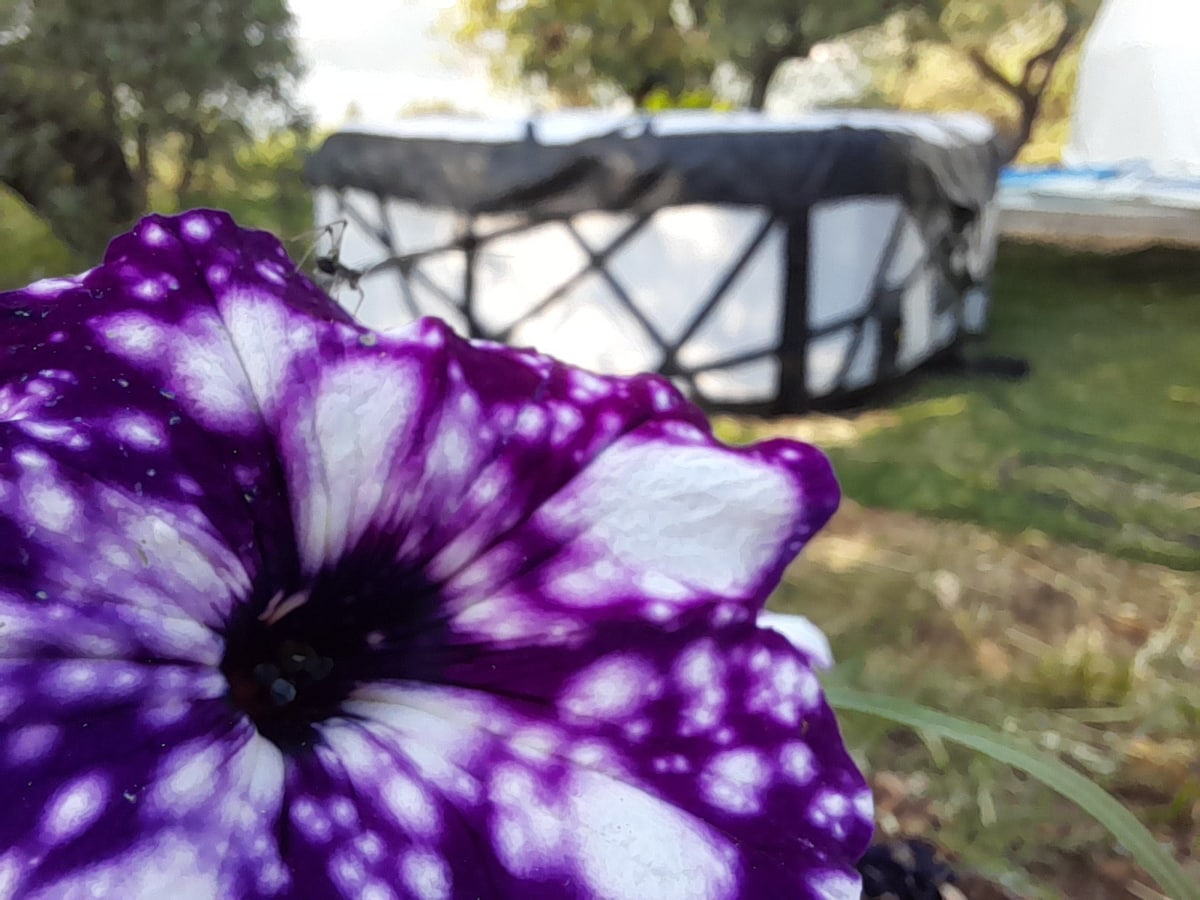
384	55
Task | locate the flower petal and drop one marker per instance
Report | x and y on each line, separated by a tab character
440	445
139	492
703	765
661	524
469	459
130	780
140	508
193	429
801	634
363	822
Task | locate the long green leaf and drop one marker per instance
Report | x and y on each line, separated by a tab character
1057	776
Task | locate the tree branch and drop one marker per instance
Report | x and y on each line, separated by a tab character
990	72
1046	60
1035	78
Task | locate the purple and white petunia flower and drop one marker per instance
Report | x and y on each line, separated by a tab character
290	608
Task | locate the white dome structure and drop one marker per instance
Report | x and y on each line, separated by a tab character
768	264
1137	102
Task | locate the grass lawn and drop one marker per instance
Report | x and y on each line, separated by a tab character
1089	656
1099	446
1024	554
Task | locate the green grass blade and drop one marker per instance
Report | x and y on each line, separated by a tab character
1057	776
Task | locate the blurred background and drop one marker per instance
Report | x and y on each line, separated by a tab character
1023	552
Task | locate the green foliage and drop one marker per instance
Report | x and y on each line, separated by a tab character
259	183
659	100
583	50
132	81
31	251
1013	60
1077	788
1095	447
63	162
922	54
757	37
168	60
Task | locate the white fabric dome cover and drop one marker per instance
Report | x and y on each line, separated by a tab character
1137	102
767	264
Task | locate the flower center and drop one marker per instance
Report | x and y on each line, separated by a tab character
281	680
292	662
298	665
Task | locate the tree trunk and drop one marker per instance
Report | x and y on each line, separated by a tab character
760	79
108	99
142	174
766	63
69	171
192	153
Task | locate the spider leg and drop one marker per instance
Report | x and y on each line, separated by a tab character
334	230
362	296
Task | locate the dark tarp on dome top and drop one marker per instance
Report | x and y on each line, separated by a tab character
635	168
762	263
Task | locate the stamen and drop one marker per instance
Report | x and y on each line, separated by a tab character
283	692
281	606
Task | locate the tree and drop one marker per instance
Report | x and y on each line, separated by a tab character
759	36
983	31
584	50
64	164
1003	58
92	90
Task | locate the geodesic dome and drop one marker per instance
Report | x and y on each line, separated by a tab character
766	264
